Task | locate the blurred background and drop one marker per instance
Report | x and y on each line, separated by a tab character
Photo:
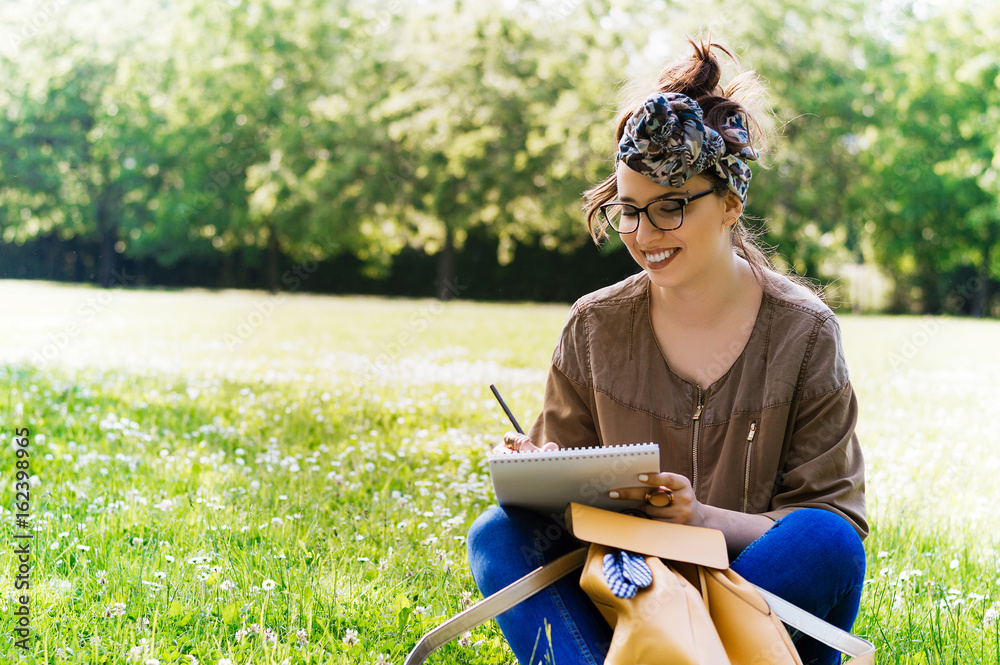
440	147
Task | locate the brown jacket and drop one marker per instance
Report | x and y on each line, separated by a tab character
774	434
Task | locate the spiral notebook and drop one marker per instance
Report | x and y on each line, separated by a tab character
547	482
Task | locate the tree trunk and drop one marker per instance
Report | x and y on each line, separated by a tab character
109	237
981	302
930	290
228	281
444	287
273	259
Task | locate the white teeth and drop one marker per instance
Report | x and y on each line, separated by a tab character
661	256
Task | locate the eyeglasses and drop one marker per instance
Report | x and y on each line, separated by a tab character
666	214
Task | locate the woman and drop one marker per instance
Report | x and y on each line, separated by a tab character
735	371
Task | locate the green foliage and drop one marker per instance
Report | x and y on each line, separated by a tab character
931	156
75	161
303	131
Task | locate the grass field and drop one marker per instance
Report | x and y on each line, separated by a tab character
238	478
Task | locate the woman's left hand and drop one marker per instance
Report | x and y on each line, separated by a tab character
683	506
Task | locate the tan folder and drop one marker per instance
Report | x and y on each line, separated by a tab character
676	542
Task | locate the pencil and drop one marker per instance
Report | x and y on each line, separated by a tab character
506	410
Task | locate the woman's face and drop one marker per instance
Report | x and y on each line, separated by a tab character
684	256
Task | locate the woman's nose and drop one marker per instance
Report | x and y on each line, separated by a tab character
646	231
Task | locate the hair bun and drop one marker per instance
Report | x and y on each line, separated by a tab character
697	76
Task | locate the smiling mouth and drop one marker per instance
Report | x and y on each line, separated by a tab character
659	257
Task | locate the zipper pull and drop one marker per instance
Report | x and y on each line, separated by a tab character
753	430
700	402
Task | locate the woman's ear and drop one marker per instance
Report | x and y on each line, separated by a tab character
734	208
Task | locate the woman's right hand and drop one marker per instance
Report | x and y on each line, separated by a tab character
521	443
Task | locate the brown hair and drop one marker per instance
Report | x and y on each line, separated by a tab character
698	77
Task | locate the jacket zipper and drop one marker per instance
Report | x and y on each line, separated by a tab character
694	440
746	482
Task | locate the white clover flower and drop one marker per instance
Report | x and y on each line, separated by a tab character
350	637
301	636
383	659
990	617
268	585
115	610
225	661
227	585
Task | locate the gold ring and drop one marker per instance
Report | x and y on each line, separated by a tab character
512	445
661	497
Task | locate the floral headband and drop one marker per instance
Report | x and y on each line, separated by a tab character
667	140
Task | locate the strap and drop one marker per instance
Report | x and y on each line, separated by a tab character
811	625
498	603
550	573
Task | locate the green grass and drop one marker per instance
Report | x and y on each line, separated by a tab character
194	448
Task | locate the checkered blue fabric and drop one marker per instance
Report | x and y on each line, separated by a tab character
626	573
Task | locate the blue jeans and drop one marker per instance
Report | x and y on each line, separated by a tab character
811	557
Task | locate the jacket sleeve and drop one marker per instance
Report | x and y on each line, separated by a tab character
824	467
568	414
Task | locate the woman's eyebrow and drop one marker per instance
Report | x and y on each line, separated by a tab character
629	199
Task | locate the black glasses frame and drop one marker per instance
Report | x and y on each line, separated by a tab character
681	203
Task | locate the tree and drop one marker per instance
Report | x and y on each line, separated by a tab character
933	156
73	161
487	122
814	64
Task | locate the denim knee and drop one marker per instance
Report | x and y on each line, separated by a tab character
831	533
506	543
